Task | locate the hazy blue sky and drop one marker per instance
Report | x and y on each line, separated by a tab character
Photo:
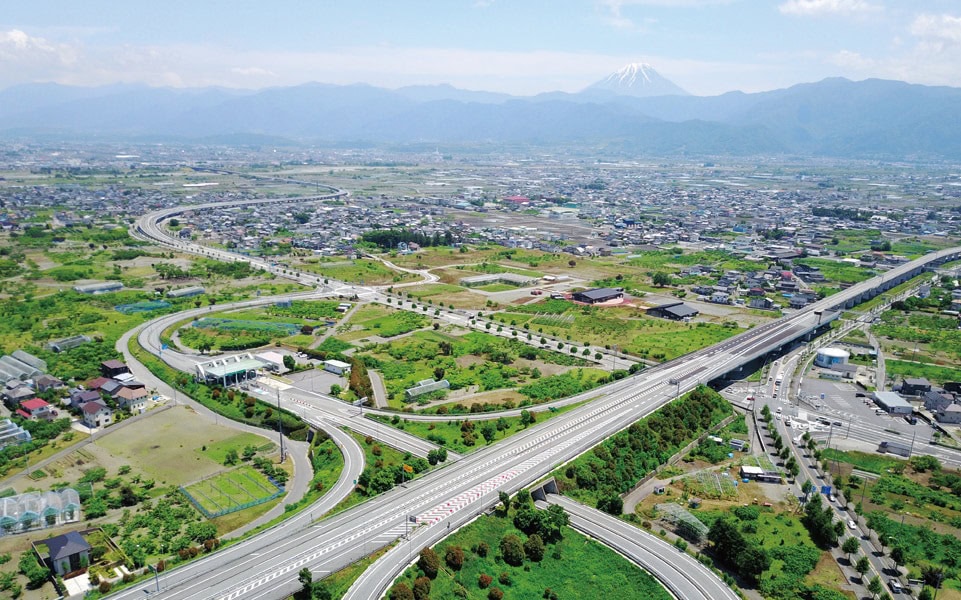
516	46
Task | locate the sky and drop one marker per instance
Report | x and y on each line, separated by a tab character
521	47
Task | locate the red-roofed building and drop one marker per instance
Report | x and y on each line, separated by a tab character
96	384
35	408
518	199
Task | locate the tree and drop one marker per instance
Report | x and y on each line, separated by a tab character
806	487
36	574
862	567
306	579
874	586
850	546
512	550
289	362
898	556
429	562
454	557
489	431
572	263
527	418
320	592
422	588
335	390
926	594
793	467
505	499
534	548
661	279
401	592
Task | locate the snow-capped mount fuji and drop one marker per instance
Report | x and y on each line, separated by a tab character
640	80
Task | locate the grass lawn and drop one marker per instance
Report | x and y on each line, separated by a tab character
866	461
574	567
217	451
377	456
159	445
340	581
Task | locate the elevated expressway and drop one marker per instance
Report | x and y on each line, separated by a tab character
451	496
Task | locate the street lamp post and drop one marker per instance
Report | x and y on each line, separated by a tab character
156	576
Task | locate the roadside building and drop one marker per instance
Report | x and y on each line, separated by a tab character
915	386
937	400
337	367
892	403
949	415
829	358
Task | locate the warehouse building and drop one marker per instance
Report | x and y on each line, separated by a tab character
892	403
598	295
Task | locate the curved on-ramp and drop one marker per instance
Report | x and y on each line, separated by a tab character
683	575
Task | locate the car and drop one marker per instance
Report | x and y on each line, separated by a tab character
852	524
837	423
895	586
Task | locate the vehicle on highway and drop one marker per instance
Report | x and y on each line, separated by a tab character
852	524
837	423
895	586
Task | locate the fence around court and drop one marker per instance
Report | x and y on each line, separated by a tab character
278	491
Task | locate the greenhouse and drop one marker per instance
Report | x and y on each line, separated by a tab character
37	510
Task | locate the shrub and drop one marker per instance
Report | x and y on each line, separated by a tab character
495	593
512	550
534	548
429	562
504	578
105	587
454	557
482	549
401	592
422	588
484	580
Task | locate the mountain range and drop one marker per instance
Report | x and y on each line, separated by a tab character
634	110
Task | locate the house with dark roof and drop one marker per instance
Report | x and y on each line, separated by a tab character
81	397
67	553
112	368
47	382
915	386
96	414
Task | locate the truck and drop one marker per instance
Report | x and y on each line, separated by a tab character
899	448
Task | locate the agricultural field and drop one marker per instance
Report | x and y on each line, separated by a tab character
453	296
474	363
627	326
381	321
838	272
361	271
476	560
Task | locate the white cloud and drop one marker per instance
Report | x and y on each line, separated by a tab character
17	47
939	31
814	8
253	72
614	14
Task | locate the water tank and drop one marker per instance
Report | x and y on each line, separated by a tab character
828	357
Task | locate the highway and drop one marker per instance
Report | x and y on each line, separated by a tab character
682	574
451	496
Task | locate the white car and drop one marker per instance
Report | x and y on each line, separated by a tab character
852	524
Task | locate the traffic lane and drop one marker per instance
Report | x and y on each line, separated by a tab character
678	571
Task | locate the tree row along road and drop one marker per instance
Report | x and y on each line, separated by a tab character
453	495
